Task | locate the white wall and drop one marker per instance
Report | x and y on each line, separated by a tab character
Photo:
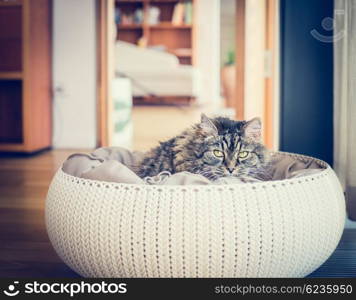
207	14
74	74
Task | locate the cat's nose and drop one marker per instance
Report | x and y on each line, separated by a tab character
230	170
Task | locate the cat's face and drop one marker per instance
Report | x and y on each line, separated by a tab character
221	147
231	155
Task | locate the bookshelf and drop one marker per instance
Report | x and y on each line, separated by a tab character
173	29
25	103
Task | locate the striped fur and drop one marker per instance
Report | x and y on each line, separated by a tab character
193	151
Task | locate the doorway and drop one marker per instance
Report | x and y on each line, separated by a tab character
244	73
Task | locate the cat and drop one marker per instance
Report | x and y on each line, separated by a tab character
215	148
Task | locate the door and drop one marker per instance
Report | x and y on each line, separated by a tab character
74	74
306	80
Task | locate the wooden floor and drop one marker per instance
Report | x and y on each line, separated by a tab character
342	262
25	250
158	123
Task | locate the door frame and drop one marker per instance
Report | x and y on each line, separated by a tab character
271	110
270	114
240	58
105	13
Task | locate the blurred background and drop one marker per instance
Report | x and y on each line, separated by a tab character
76	75
89	73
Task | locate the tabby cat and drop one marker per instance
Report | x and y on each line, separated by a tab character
214	148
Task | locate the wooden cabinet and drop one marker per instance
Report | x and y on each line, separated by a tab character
25	75
176	36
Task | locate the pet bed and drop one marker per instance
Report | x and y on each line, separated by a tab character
278	228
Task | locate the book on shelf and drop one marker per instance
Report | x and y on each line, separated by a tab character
182	13
178	14
188	10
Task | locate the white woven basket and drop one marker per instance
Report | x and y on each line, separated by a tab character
285	228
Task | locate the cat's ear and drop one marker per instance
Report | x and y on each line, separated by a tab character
208	125
252	129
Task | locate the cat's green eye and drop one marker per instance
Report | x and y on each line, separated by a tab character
218	153
243	154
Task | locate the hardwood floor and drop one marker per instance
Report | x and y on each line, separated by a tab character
25	250
342	263
163	123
